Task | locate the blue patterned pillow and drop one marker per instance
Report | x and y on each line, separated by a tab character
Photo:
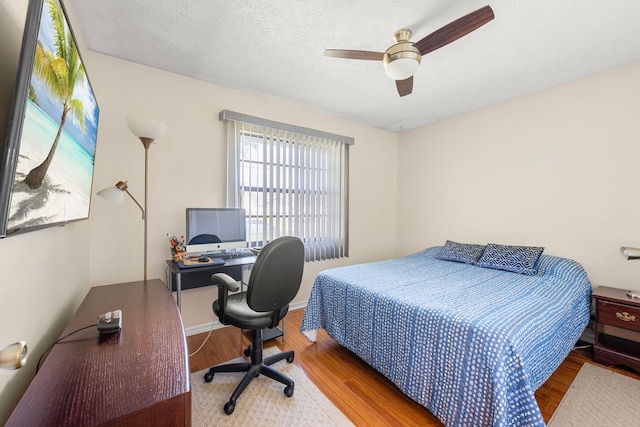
519	259
460	252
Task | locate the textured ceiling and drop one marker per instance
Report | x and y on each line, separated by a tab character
275	48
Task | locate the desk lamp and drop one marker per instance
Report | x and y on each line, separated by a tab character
14	356
148	130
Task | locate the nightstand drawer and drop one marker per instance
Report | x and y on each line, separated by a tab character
620	315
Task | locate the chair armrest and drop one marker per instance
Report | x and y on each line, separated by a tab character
225	284
225	281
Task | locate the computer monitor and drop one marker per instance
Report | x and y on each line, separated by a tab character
215	229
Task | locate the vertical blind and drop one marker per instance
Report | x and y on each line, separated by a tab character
291	181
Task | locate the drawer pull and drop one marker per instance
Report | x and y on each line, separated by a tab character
626	317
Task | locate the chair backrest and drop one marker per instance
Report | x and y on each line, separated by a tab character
276	275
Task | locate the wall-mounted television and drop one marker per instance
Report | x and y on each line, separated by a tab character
48	154
215	229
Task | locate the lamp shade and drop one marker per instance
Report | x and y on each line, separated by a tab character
112	194
14	356
143	127
401	68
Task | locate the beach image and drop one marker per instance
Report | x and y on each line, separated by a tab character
65	192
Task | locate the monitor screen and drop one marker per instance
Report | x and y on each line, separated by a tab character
215	229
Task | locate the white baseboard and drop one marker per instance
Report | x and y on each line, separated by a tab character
200	329
298	305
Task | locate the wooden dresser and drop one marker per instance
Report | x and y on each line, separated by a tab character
138	376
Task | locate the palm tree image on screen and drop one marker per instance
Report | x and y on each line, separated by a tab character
60	71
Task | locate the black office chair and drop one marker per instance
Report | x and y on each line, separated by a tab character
274	281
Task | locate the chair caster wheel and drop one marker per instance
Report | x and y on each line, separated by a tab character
288	390
290	359
247	351
229	408
208	376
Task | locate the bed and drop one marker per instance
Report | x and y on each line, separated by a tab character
471	344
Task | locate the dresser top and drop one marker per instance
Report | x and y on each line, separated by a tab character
615	295
91	379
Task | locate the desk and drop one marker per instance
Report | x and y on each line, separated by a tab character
139	376
201	275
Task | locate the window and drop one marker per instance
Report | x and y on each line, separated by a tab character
291	181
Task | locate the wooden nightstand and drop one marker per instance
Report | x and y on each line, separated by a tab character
614	309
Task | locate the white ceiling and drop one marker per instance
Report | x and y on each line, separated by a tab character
276	48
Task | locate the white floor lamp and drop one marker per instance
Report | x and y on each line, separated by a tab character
148	130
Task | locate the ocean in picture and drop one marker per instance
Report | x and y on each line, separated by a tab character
66	190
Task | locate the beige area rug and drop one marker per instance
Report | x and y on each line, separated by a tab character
263	402
599	397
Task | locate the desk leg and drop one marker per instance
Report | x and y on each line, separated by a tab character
179	290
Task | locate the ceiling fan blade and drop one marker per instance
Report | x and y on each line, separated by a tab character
454	30
405	87
354	54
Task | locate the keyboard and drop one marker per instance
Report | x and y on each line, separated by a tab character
231	255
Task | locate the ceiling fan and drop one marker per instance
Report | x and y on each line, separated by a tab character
402	59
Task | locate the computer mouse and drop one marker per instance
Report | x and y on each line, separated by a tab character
203	259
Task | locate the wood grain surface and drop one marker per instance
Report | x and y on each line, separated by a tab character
139	375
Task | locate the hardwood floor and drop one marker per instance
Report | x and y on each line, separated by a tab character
362	394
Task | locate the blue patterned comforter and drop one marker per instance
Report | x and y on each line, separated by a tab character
470	344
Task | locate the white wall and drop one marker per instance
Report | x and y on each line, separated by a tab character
556	169
187	168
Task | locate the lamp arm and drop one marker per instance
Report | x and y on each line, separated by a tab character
144	217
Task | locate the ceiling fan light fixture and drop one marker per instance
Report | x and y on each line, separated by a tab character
402	59
401	68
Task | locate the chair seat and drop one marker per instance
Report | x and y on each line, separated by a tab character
239	314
